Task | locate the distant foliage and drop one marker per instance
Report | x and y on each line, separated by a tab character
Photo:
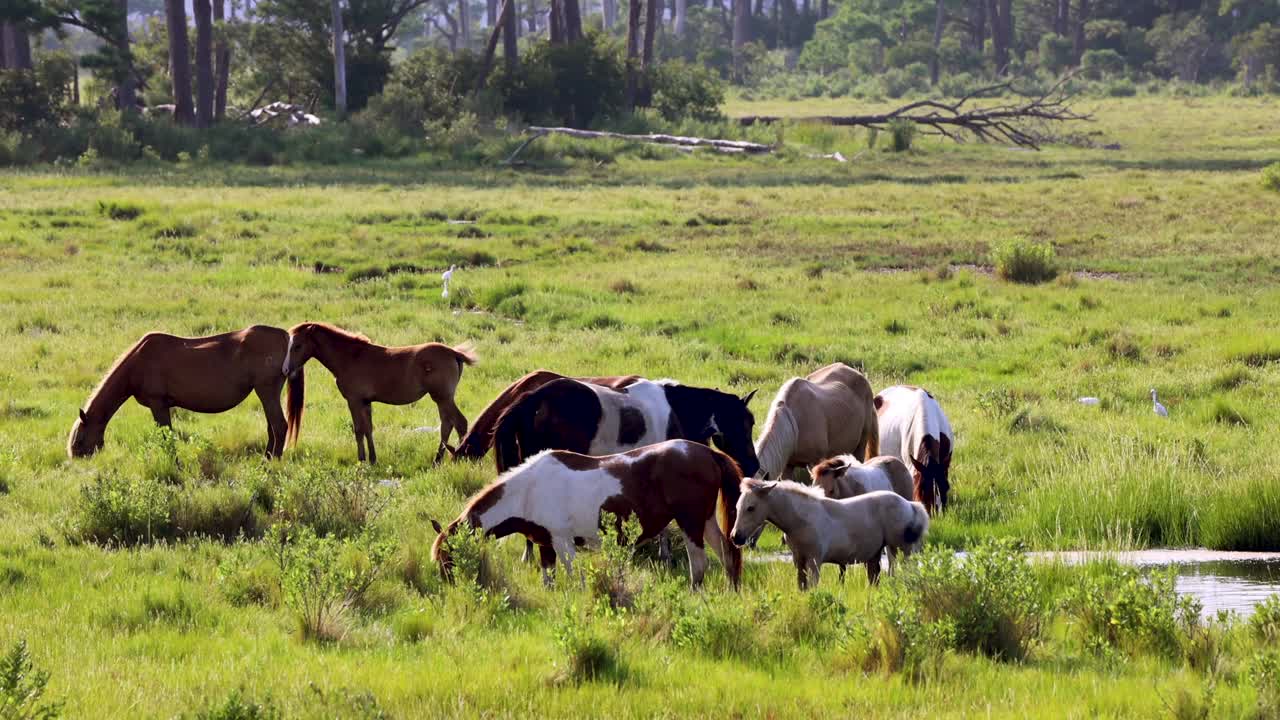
1023	261
1271	177
22	687
683	91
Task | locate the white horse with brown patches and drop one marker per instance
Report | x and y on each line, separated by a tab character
914	429
556	497
821	530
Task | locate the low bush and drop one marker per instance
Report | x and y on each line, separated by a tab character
683	91
238	706
1271	177
1123	609
587	655
321	578
1023	261
22	687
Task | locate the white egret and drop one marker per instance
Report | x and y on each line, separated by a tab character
446	276
1156	407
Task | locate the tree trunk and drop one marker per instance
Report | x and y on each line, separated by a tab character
179	60
532	17
464	23
609	9
203	12
741	34
759	11
633	53
572	21
1001	32
824	9
939	22
339	60
978	23
555	22
127	83
17	47
650	34
491	13
1079	42
1062	17
510	34
682	16
222	57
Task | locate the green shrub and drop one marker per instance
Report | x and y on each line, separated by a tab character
1265	622
903	133
321	578
609	576
1023	261
1100	63
238	706
1123	609
340	503
27	104
682	91
119	509
1121	88
587	656
990	599
718	630
1056	53
575	84
22	687
119	210
1271	177
1224	414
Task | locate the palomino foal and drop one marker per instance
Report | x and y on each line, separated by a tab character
844	476
555	499
822	530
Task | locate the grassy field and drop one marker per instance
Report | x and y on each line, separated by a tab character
730	272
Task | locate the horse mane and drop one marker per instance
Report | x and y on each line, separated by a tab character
115	367
334	330
791	487
778	436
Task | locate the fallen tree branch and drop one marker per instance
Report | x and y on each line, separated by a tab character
732	146
1017	123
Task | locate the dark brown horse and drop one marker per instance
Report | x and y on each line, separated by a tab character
478	441
556	498
207	375
367	373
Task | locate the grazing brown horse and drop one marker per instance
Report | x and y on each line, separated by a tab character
829	412
208	375
555	500
367	373
478	441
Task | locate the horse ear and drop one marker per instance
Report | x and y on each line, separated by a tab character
436	525
712	428
83	418
746	399
919	468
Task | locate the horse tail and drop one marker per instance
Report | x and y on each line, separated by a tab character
506	432
296	392
730	482
917	526
871	438
466	355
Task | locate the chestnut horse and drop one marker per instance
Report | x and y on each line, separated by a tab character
367	373
914	429
478	441
207	375
556	497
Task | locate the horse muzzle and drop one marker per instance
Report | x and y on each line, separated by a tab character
739	539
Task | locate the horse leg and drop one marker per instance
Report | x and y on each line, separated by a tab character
357	426
801	563
162	415
723	549
842	569
547	557
873	570
277	426
368	433
697	558
815	570
451	420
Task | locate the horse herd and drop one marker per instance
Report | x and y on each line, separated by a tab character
569	449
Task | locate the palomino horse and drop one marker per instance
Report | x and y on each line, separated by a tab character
845	476
367	373
480	438
567	414
208	375
812	418
914	429
821	530
555	500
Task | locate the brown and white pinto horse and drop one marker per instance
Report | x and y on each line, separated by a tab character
556	497
367	373
208	375
914	429
480	438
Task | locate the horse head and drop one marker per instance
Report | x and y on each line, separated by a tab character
932	476
730	428
752	510
440	551
86	436
825	473
301	348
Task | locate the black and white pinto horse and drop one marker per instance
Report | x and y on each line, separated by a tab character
568	414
